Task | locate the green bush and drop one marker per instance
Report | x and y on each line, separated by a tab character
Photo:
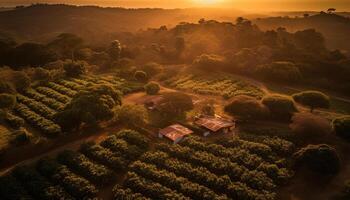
280	72
152	88
341	127
209	62
312	99
74	68
247	107
281	107
309	128
141	76
320	158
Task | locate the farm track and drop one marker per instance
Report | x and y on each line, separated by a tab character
34	153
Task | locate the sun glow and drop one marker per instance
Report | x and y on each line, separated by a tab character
207	2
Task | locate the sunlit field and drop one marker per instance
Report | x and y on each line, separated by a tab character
189	99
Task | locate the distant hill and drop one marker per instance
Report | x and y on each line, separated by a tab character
42	22
334	27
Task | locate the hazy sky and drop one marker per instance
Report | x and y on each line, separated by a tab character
341	5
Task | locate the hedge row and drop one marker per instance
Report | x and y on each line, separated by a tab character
14	121
170	180
80	164
70	84
103	156
53	94
50	102
150	188
254	179
36	106
48	127
121	193
201	175
61	89
77	186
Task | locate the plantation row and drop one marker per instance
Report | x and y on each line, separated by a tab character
72	175
239	155
38	105
48	127
215	85
235	169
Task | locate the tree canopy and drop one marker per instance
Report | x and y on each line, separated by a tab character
90	106
312	99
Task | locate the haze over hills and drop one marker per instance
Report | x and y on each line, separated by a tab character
96	24
335	28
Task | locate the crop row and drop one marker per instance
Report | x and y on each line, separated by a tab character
151	189
48	127
121	193
242	157
80	164
170	180
61	89
220	184
50	102
75	185
103	156
218	165
53	94
36	106
70	84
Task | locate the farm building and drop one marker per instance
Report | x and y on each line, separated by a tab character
215	124
175	133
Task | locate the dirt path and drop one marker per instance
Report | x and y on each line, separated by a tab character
29	154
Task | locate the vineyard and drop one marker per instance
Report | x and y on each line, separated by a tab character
194	169
37	106
221	85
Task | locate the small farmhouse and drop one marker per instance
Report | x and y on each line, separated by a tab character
215	124
174	132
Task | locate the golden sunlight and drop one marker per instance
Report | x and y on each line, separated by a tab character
207	2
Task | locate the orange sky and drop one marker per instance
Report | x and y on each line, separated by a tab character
252	5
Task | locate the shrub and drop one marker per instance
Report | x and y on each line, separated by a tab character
320	158
280	71
41	74
312	99
5	87
341	127
74	68
21	81
152	88
310	127
246	107
133	115
141	76
280	106
209	62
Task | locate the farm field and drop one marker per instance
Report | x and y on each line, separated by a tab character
36	106
219	84
193	170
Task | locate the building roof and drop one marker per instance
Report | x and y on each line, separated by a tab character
213	123
175	131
